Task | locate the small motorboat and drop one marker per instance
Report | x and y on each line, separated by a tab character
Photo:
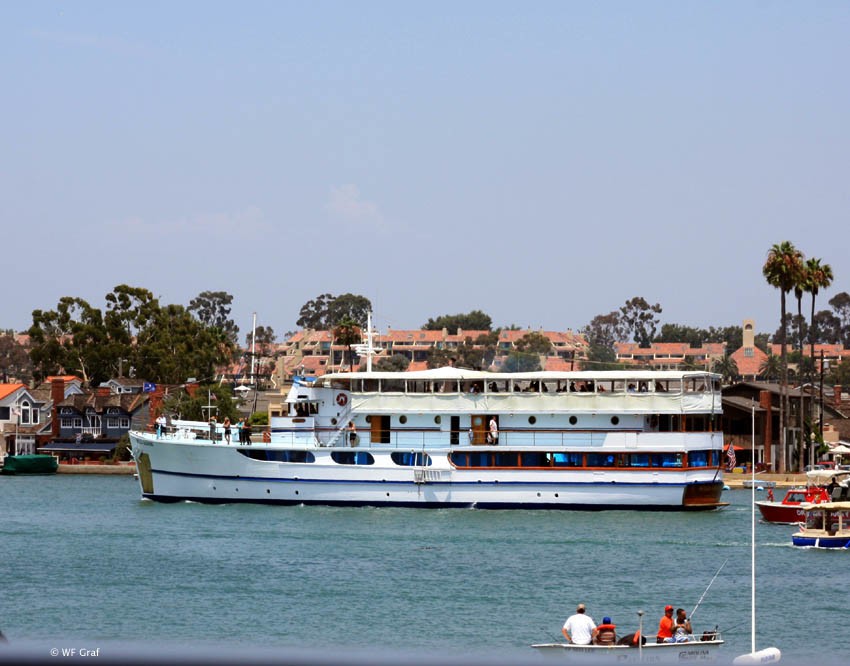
788	511
702	649
826	526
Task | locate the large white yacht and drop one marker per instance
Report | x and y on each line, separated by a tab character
460	438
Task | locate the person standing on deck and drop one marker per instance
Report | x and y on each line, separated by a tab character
494	430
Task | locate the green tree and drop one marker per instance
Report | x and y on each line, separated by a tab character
475	320
477	354
14	360
175	345
727	368
840	304
519	361
326	311
771	368
782	270
394	363
534	343
639	318
602	334
212	309
208	398
71	339
348	333
265	339
840	374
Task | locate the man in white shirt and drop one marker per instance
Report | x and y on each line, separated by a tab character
580	628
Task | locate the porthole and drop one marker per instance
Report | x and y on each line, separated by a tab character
532	420
402	419
573	420
615	420
438	419
333	421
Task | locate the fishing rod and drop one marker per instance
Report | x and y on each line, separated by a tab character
691	616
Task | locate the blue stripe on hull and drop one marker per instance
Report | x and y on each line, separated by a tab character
434	505
263	479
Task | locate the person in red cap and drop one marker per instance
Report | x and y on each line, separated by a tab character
665	627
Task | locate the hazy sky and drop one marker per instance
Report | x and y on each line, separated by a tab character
541	161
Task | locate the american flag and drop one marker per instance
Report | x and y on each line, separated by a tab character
730	458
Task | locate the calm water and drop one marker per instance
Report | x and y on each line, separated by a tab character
84	559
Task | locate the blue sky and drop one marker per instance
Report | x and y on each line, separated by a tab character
543	162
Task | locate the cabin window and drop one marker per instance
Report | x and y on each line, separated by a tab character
567	459
573	420
636	460
601	460
666	459
615	420
454	430
294	456
402	419
500	386
410	458
370	386
532	420
352	458
532	459
699	458
507	459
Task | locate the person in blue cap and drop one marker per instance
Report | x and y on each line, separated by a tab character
606	632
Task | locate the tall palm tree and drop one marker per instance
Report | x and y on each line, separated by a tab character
782	270
727	367
348	333
819	276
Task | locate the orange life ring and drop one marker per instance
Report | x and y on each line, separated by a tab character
342	399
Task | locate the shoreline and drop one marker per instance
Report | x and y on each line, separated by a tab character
125	468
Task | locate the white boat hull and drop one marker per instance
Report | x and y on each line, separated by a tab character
653	653
175	469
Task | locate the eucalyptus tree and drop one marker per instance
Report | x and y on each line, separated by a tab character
782	270
71	339
326	311
476	320
212	309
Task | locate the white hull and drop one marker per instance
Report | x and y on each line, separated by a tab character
177	469
651	653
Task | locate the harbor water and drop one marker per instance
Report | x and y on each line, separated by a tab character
87	562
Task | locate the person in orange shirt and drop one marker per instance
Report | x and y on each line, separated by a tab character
665	627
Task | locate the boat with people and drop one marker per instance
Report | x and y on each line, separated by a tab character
635	647
826	525
451	437
818	489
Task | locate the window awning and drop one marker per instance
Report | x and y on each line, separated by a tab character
82	447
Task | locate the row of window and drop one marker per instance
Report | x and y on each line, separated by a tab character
694	384
659	460
506	459
122	422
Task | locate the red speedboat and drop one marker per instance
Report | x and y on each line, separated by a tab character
788	511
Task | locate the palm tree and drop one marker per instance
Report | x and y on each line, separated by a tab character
820	276
727	367
782	270
771	367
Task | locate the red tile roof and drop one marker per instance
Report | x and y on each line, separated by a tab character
749	365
